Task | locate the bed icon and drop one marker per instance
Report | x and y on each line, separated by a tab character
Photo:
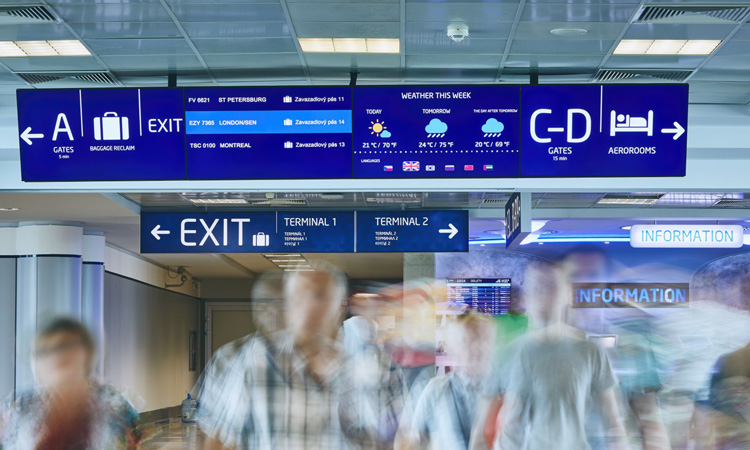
619	123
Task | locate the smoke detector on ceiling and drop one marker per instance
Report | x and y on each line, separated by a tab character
458	31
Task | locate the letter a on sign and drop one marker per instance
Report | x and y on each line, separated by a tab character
61	118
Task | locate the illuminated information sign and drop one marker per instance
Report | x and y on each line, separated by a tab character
101	134
629	295
313	232
598	131
268	133
485	295
436	131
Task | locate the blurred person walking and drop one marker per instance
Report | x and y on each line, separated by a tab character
293	389
552	376
445	412
68	410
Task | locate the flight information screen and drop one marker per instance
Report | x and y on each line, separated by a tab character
436	131
268	133
484	295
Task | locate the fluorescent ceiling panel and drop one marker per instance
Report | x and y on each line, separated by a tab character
349	45
666	47
9	49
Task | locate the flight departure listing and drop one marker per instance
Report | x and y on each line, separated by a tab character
436	131
268	133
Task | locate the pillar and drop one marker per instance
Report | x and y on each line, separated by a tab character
48	285
92	292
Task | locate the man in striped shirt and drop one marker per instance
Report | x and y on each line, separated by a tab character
295	389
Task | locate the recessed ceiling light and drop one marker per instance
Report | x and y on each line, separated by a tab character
626	227
569	32
666	47
699	47
349	45
10	49
8	209
218	201
629	199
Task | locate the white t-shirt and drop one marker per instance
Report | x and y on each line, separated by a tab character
553	380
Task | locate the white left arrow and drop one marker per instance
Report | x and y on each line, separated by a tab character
451	229
677	130
156	232
27	135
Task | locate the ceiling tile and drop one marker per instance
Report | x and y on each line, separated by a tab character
245	45
52	63
558	47
558	61
34	32
153	65
236	29
463	61
451	75
653	62
113	12
344	12
444	45
349	61
281	61
468	12
539	31
743	34
482	30
383	30
228	12
110	30
677	31
577	12
106	47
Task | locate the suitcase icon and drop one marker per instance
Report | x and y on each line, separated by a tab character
260	240
111	128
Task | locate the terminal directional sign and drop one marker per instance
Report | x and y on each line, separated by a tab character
597	131
247	232
311	232
101	135
413	231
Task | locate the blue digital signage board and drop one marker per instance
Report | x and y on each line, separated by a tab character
598	131
436	131
311	232
101	134
247	232
413	231
268	133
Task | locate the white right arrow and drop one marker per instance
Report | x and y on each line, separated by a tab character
27	136
451	229
157	233
677	130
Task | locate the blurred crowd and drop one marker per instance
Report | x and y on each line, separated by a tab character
400	367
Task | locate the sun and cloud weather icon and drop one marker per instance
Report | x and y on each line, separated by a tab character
492	127
436	128
377	127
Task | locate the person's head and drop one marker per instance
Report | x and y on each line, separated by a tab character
470	342
586	263
315	300
546	293
63	350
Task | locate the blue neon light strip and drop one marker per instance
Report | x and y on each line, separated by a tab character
268	122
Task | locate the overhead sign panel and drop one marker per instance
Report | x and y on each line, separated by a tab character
353	133
436	131
596	131
247	232
413	231
309	232
101	134
268	133
686	236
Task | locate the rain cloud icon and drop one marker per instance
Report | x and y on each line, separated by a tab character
436	128
385	134
492	128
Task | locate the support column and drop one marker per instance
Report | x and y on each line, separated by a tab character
48	285
92	292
